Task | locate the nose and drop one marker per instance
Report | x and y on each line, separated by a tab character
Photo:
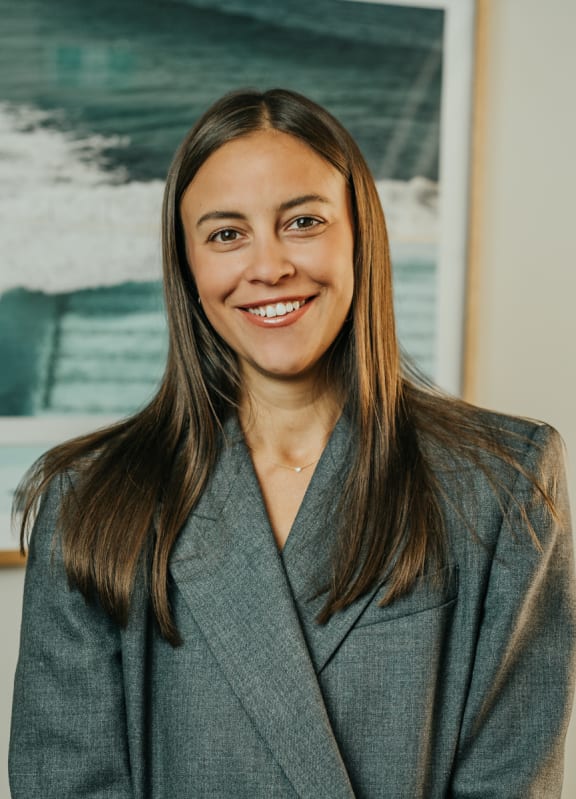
269	261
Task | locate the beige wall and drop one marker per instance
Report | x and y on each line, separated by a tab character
525	254
524	293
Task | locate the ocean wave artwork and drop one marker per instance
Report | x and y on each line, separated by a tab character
93	100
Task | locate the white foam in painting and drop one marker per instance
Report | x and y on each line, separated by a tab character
411	209
66	223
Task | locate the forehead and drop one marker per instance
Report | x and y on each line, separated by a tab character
262	163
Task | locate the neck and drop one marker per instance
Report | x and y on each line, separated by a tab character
288	422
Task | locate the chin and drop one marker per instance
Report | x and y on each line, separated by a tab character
285	371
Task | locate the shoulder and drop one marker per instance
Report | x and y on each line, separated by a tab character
454	432
488	467
530	430
527	443
525	451
45	560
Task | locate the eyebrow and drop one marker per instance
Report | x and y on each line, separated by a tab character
285	206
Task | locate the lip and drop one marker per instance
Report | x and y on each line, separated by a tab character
275	300
277	321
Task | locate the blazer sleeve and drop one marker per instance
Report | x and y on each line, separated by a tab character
520	695
68	735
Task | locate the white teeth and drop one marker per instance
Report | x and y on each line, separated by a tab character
280	309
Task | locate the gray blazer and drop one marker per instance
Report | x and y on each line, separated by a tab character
460	689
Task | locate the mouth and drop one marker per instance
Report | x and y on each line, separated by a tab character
271	310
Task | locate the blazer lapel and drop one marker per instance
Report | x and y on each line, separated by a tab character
231	575
307	555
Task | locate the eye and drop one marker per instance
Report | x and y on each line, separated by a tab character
224	236
304	223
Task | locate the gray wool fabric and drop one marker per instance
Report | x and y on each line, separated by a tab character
459	690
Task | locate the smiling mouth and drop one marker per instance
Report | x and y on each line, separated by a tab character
270	311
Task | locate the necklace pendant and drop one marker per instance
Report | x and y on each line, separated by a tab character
296	469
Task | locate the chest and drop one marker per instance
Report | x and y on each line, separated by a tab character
283	491
247	699
261	700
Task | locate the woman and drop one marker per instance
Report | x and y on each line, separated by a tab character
298	571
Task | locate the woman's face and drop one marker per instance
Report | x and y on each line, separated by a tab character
270	240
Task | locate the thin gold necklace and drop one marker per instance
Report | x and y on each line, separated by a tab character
296	469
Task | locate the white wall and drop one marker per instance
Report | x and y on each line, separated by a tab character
525	240
525	293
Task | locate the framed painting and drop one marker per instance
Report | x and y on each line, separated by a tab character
94	99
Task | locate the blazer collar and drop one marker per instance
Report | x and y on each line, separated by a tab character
307	555
228	568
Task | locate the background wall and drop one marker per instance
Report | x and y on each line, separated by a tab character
523	287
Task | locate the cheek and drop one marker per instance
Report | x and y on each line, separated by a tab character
330	261
337	271
212	280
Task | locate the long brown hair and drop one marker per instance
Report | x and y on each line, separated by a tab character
132	486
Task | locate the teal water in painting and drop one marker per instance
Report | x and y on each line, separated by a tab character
146	69
94	98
